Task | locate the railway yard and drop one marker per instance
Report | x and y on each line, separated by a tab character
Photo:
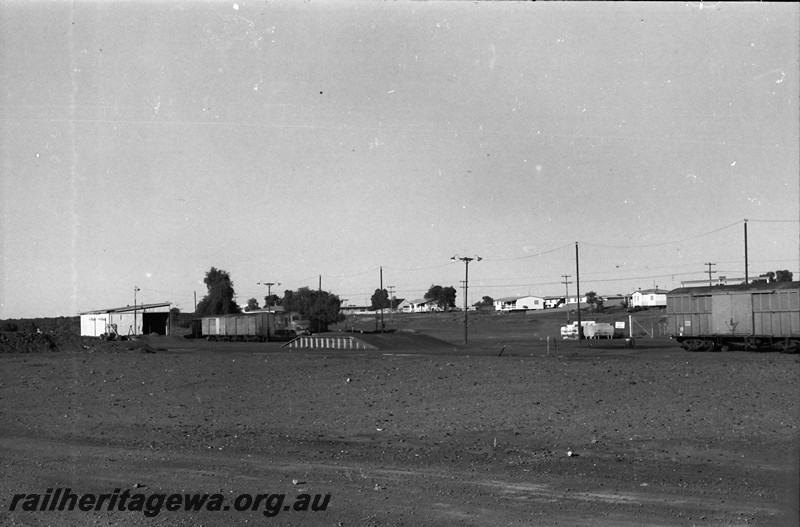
429	434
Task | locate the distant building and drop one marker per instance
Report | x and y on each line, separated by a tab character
551	302
421	305
356	310
518	303
649	298
719	280
614	301
129	320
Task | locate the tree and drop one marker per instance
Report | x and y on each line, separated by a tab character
776	276
594	301
252	305
380	299
320	307
445	297
271	300
219	300
486	301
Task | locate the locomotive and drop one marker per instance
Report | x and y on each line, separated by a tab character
759	316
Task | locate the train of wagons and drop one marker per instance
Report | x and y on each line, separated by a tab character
252	326
756	317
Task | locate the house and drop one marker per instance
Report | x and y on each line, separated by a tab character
574	299
720	280
614	301
551	302
421	305
129	320
356	310
518	303
649	298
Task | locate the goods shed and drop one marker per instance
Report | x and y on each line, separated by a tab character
128	320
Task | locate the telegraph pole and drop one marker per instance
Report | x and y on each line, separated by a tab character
710	272
382	324
466	261
269	294
746	278
578	286
391	301
135	314
566	293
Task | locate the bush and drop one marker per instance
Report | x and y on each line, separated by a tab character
8	326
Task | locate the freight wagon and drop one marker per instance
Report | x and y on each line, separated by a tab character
252	326
758	316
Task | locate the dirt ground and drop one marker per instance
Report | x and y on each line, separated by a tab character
429	435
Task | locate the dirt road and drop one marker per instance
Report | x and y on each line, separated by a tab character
657	437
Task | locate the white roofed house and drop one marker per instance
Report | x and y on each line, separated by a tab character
518	303
420	305
649	298
551	302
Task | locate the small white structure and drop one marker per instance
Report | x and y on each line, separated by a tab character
570	331
552	302
518	303
573	300
128	320
421	305
649	298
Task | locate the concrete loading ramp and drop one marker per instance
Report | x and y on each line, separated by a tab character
405	342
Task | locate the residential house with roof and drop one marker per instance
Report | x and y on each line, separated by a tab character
649	298
518	303
420	305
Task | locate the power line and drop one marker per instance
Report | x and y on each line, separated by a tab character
663	243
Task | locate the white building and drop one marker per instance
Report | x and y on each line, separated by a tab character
552	302
649	298
420	305
128	320
518	303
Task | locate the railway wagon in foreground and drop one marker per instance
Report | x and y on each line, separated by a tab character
758	316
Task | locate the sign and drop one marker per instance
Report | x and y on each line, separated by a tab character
619	325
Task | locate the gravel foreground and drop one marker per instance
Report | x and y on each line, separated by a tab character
649	437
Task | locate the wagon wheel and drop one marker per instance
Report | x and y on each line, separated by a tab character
693	344
790	346
707	345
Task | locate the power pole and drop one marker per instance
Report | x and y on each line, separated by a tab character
746	277
566	293
267	301
382	324
578	286
391	300
135	324
710	272
466	261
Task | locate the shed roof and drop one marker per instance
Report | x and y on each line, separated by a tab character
755	286
140	307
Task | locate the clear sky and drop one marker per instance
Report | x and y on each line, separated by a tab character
142	143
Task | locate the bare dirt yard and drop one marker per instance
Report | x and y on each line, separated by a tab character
437	434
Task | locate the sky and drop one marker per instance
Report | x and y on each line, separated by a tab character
308	143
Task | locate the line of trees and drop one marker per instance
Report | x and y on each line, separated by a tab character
319	307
